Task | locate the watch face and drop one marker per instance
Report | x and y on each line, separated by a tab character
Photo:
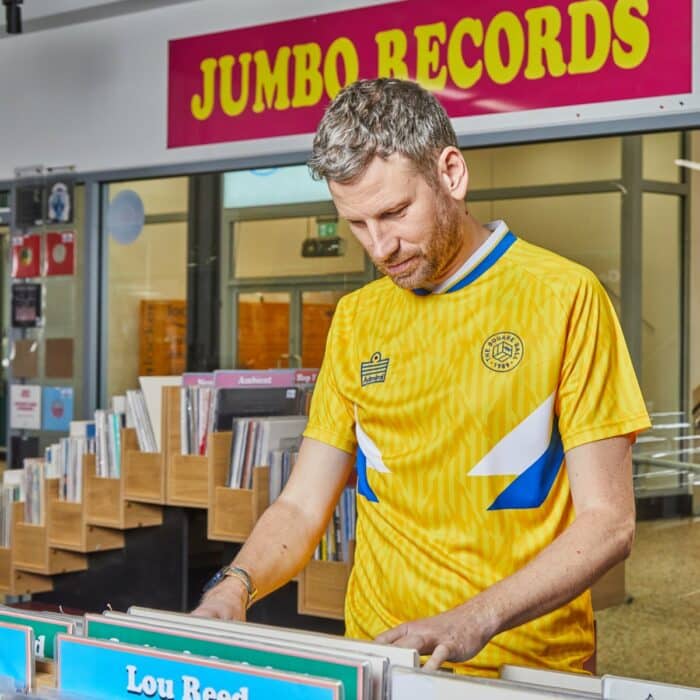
214	580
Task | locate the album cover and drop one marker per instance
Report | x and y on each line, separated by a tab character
59	201
29	206
60	253
26	256
26	305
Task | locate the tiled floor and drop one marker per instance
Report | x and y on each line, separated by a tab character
657	634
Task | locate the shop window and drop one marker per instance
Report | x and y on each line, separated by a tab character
317	313
146	288
661	296
273	248
659	154
553	163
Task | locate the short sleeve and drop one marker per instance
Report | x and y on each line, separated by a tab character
598	395
332	414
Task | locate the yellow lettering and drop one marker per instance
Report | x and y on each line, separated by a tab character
429	38
544	27
233	107
499	71
631	30
271	84
201	106
345	49
581	12
308	81
391	54
465	76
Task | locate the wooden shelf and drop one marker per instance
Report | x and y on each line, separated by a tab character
322	587
31	550
106	504
186	476
13	582
143	472
69	529
232	512
186	481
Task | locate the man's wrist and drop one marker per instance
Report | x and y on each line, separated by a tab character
229	588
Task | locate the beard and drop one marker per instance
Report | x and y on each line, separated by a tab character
429	263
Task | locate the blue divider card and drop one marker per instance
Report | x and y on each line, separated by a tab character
109	670
17	655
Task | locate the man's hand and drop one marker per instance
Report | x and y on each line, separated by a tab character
456	635
226	601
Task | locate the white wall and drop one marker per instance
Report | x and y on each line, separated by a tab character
95	94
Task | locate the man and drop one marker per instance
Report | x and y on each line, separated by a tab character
485	385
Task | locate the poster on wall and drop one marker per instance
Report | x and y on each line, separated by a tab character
59	201
25	302
26	256
25	406
57	408
60	253
29	209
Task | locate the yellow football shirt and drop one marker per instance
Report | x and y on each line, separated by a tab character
460	406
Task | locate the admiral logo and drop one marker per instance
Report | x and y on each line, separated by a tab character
375	370
502	352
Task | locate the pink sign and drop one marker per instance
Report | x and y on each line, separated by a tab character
479	58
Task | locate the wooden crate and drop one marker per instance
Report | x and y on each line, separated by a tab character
322	587
186	481
106	504
30	543
144	472
13	582
68	526
232	512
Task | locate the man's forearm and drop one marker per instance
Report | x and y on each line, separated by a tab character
592	544
281	543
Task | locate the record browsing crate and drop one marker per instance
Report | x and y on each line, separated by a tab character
186	479
68	526
322	587
30	543
13	582
106	504
232	512
144	472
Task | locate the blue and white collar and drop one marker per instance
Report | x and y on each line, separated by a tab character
483	259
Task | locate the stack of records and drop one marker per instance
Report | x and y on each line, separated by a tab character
335	543
138	418
12	492
196	418
33	486
108	425
253	440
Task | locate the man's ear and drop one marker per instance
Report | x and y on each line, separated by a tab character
453	173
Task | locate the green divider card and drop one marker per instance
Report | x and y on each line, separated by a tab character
44	630
94	668
17	655
349	672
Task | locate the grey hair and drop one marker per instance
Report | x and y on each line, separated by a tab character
380	117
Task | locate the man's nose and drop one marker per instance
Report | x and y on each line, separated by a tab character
384	242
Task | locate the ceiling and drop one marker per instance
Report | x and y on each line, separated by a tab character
38	15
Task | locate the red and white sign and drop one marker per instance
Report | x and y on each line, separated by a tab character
25	406
60	253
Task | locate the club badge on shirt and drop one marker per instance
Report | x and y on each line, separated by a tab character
502	352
